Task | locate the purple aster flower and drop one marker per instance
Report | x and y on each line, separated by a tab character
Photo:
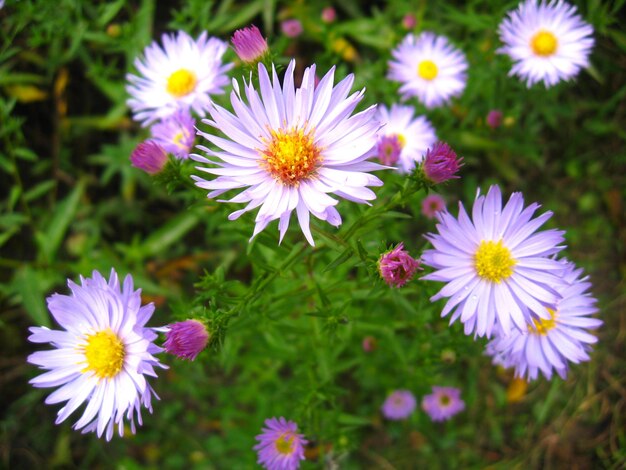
496	266
291	28
389	148
288	149
176	133
432	204
249	45
548	345
280	447
443	403
399	405
397	267
149	157
181	73
441	163
428	67
403	139
186	339
102	356
547	41
494	118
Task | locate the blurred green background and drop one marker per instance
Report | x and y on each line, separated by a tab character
71	202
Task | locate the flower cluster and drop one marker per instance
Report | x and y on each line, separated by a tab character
176	78
503	280
441	405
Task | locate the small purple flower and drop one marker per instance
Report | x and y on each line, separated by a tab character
389	149
399	405
397	267
186	339
280	447
443	403
149	157
432	204
176	133
369	344
441	163
494	118
409	21
329	15
249	45
291	28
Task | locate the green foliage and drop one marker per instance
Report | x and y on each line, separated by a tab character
288	320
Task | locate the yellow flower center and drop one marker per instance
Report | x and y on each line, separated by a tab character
181	83
444	400
291	156
544	43
401	140
427	69
542	326
105	354
493	261
284	444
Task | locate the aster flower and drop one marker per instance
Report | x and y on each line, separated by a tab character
496	267
280	447
399	405
548	345
102	356
149	157
249	45
443	403
428	67
176	133
547	41
291	28
403	140
432	204
440	164
292	149
186	339
183	73
397	267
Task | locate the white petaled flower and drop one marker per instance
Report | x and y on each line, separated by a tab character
548	345
183	73
547	42
289	148
430	68
413	137
102	357
496	266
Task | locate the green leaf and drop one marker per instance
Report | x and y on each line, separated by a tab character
51	237
339	260
170	233
31	286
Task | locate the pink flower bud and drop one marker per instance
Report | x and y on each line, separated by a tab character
291	28
441	163
186	339
397	267
249	45
149	157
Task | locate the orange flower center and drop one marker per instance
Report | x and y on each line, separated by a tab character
291	156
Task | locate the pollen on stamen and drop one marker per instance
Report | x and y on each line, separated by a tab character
291	156
105	354
181	83
543	325
493	261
